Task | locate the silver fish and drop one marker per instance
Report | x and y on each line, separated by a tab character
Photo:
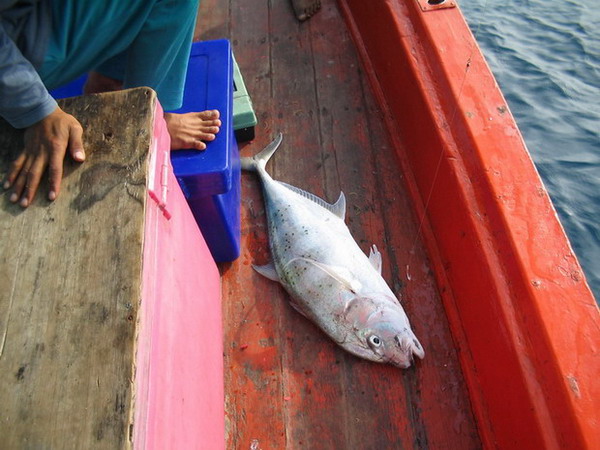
330	280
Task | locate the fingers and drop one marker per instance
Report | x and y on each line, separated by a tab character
57	156
45	146
20	179
30	174
55	173
32	180
76	142
14	170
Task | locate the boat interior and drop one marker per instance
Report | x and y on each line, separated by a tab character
287	384
140	337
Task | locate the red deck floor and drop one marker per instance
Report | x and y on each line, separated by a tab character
287	385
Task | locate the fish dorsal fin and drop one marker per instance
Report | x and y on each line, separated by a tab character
375	258
338	208
339	273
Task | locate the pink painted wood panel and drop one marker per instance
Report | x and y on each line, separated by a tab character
179	397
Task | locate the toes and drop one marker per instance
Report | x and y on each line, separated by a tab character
207	137
191	129
210	130
199	145
211	114
188	144
315	8
305	9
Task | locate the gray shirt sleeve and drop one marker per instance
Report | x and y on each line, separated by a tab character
24	100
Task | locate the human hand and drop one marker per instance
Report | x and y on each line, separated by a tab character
46	143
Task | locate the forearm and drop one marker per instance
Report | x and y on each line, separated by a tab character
24	100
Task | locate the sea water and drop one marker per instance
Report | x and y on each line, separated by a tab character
545	55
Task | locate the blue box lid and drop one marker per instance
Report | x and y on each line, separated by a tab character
73	89
208	85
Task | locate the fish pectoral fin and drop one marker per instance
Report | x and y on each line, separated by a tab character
359	309
339	273
298	308
267	271
375	258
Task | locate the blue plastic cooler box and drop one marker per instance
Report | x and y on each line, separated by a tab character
210	179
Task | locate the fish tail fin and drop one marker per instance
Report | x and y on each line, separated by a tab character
258	162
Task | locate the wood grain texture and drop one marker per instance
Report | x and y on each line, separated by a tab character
70	279
287	385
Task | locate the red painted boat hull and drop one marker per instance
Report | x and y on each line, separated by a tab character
524	321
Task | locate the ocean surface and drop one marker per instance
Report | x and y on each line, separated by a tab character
545	55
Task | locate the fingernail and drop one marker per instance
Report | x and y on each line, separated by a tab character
24	203
79	155
13	197
6	184
51	196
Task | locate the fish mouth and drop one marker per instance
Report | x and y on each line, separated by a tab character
400	359
408	347
402	363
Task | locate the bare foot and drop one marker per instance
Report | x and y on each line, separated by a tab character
97	83
190	130
305	8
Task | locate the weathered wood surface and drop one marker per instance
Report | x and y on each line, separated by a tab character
287	385
70	279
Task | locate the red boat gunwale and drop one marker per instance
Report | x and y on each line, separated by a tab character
525	322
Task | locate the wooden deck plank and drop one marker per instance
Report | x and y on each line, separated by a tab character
354	140
311	375
251	48
213	20
287	384
252	363
70	285
436	389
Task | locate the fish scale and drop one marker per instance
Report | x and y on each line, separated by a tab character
329	279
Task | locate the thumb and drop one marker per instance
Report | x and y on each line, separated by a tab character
76	142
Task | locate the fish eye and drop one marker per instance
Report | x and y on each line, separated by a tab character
374	341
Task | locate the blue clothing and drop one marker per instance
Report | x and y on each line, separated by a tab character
141	42
24	34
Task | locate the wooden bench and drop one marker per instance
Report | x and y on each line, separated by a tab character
110	315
